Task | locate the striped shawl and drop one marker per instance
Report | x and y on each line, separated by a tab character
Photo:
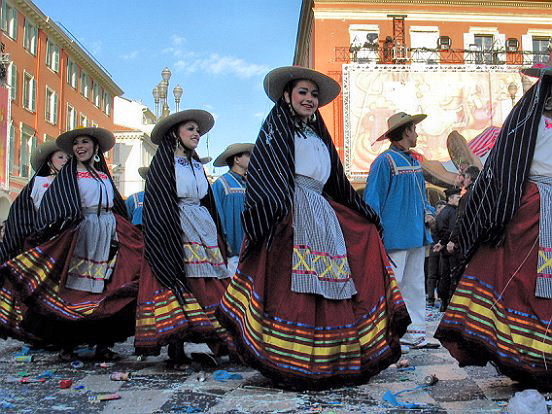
497	191
161	220
271	178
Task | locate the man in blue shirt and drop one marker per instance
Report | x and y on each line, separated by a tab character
229	191
396	190
135	202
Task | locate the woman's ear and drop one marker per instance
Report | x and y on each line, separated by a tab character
286	97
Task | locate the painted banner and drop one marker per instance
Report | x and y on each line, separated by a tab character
462	98
4	139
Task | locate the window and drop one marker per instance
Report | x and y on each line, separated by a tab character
106	103
540	49
83	120
9	20
12	162
423	42
52	55
364	43
71	118
12	80
30	36
72	73
28	143
84	84
51	104
96	94
29	91
49	138
94	124
484	45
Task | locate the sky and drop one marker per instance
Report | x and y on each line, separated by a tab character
217	50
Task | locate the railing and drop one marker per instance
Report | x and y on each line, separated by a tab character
404	55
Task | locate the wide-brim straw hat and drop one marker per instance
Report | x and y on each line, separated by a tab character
437	174
230	151
398	120
105	138
41	154
275	81
143	171
205	160
538	70
460	152
204	120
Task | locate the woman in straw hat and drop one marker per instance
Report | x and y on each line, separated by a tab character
312	302
502	308
184	246
82	278
47	160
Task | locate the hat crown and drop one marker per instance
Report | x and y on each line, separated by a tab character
396	118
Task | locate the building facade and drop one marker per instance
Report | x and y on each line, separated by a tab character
391	55
54	85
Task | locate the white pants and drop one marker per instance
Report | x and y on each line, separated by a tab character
409	272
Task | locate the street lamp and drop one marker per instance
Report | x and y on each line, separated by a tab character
512	90
155	94
177	92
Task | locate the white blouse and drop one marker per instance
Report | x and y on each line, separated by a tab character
312	158
90	190
190	179
40	185
542	158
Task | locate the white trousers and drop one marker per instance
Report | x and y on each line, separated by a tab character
409	271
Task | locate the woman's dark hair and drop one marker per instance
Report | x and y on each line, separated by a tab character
44	169
397	134
230	160
174	140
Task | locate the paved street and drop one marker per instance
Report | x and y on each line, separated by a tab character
151	388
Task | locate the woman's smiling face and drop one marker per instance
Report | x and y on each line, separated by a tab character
303	99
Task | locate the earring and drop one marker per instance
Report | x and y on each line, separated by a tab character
548	104
96	158
313	118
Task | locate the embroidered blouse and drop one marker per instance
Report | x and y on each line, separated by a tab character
542	158
92	190
190	179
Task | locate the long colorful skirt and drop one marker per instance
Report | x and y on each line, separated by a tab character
306	340
12	311
494	315
62	316
161	318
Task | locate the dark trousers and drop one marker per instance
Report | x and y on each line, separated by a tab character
432	275
446	286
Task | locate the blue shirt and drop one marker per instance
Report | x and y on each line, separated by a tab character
396	190
229	192
134	205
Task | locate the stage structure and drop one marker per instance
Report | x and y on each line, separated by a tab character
465	98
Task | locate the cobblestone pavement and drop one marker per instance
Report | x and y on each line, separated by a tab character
34	387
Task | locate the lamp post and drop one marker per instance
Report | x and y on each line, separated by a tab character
160	95
512	90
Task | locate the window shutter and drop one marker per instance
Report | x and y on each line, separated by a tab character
55	108
33	94
500	45
13	81
527	47
469	39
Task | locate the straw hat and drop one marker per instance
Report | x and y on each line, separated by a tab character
203	118
398	120
230	151
436	174
105	138
459	151
143	171
538	70
205	160
275	81
41	154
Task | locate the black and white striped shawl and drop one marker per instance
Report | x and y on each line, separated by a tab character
271	177
61	205
497	191
161	218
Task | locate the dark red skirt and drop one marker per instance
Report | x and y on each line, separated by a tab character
12	311
68	317
494	317
161	318
304	339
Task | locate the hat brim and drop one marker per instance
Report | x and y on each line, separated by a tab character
204	120
143	171
232	150
276	80
41	154
537	72
460	152
412	118
436	174
205	160
105	138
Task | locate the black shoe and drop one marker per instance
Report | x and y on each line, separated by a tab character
443	307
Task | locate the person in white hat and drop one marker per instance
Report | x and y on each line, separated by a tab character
396	190
47	159
184	245
312	303
500	311
229	191
82	279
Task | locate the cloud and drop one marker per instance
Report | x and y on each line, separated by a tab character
95	47
221	65
259	115
177	40
130	56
